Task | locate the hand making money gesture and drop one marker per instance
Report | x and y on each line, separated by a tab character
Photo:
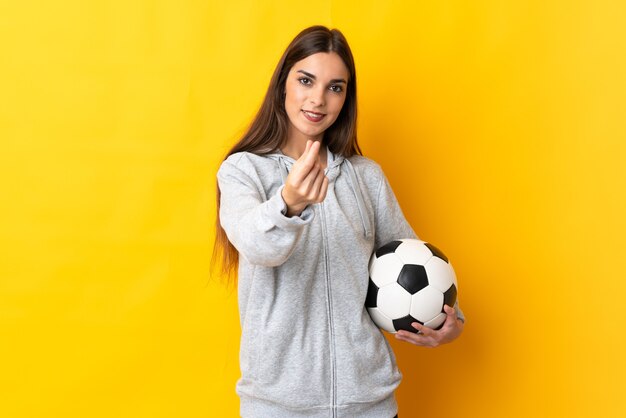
306	182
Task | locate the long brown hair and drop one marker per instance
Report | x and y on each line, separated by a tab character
268	130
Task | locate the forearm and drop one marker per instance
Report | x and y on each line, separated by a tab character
261	232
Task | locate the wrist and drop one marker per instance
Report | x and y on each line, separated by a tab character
291	209
293	212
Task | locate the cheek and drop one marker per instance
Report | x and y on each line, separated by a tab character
292	100
338	103
289	103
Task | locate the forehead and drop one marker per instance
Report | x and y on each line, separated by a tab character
323	65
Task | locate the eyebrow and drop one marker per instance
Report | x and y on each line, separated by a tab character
334	80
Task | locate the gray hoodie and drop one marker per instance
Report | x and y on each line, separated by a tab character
308	345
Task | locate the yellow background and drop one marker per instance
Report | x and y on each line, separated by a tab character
499	124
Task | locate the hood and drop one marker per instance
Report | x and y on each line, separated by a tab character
335	165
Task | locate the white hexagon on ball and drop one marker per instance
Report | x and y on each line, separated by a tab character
440	274
413	251
394	301
381	319
436	322
426	304
385	270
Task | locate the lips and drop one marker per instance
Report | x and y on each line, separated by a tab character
313	116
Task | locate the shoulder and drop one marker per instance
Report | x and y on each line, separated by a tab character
245	158
367	169
246	162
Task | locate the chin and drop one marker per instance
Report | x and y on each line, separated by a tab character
312	134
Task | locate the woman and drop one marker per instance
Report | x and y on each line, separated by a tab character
300	213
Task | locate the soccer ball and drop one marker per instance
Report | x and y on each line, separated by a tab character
410	281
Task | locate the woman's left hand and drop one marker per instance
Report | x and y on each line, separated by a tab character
428	337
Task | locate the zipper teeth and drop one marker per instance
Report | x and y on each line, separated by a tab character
330	319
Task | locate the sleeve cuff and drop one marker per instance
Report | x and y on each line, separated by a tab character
459	312
276	209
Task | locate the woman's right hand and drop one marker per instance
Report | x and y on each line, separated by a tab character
306	182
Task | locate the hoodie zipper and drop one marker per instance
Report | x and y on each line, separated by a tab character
329	307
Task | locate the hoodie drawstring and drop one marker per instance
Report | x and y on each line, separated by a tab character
354	184
283	169
367	227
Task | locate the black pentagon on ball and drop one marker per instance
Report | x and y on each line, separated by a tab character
449	296
436	251
405	323
390	247
413	278
372	294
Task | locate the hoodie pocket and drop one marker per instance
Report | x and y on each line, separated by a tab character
366	368
294	369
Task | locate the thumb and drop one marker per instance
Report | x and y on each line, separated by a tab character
307	148
450	311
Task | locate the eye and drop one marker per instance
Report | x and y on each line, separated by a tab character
305	80
336	88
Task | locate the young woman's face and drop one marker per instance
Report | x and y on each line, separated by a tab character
315	93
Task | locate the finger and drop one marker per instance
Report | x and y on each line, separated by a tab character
309	180
406	335
317	185
312	155
306	149
323	190
303	156
415	339
450	311
424	330
307	160
303	165
403	337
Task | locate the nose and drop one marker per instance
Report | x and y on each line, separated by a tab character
317	96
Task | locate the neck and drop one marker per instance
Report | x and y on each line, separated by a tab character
294	148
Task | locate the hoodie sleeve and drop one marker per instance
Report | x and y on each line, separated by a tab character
391	223
257	228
